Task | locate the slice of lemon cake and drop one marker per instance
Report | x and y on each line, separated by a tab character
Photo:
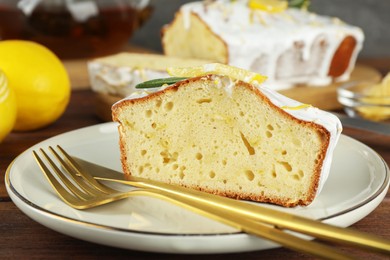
222	133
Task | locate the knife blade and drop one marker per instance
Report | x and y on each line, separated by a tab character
362	124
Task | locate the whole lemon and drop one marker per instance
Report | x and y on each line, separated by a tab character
7	107
39	80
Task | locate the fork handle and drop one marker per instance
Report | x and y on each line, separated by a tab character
247	225
269	216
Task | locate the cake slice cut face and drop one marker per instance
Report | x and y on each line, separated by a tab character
226	137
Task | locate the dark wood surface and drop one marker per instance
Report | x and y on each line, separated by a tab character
23	238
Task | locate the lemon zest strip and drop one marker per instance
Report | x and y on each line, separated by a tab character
302	106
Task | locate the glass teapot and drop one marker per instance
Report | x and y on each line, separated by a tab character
74	28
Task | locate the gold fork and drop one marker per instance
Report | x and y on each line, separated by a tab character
85	192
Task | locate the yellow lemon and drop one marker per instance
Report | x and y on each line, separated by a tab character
7	107
220	69
382	89
378	94
271	6
39	80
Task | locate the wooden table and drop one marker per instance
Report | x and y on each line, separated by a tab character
22	238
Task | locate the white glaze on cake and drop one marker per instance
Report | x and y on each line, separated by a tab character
119	80
256	39
119	74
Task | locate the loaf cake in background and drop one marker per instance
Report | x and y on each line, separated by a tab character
228	137
118	74
290	46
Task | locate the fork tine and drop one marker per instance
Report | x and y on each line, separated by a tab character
74	189
85	174
59	189
85	202
77	179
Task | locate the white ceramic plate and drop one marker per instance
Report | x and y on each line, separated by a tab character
358	182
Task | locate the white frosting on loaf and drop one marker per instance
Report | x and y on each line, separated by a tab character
256	39
119	80
119	74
